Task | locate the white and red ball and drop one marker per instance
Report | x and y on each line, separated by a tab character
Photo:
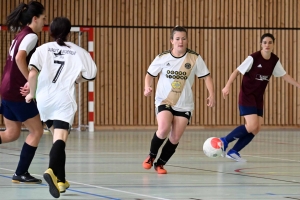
212	147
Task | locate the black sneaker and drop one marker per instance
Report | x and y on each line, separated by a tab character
25	178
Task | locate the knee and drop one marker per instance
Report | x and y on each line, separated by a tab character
37	133
174	139
256	131
253	128
162	132
10	136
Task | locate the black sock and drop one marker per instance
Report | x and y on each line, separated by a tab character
55	155
155	145
0	140
166	153
26	157
61	174
242	142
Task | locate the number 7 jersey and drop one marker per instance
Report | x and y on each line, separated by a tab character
59	67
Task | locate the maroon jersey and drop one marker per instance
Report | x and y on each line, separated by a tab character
255	81
12	78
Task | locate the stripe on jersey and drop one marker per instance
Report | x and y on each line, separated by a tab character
178	84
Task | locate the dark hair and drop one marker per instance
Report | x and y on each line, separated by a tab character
60	27
23	14
178	28
267	35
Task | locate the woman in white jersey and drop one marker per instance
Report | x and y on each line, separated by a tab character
174	98
61	64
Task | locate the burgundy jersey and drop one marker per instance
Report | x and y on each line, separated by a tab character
12	78
255	81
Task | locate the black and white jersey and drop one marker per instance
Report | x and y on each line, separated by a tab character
59	67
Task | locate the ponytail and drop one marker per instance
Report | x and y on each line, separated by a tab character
23	14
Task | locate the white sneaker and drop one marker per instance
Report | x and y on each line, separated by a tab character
224	147
234	155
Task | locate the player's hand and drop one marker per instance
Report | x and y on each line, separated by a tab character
211	101
147	91
25	90
28	98
225	91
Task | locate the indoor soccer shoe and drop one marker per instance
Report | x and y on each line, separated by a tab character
159	169
25	178
234	155
52	182
148	162
63	186
224	146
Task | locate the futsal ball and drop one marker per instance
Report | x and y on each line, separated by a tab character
212	147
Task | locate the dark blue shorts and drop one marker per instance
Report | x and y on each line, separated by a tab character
249	110
18	111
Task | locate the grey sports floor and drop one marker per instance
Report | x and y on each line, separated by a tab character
108	165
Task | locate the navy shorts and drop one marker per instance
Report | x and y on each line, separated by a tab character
250	110
18	111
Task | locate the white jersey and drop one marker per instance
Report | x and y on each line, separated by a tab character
174	86
59	66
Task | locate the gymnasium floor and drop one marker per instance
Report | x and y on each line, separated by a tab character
108	165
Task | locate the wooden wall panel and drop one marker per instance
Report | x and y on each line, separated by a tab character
128	34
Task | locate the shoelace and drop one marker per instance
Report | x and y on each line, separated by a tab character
149	161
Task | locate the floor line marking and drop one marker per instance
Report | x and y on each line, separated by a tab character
94	186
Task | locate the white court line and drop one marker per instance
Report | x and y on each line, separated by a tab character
273	158
99	187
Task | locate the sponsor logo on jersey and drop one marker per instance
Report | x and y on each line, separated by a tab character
259	66
262	77
176	75
59	54
187	66
176	85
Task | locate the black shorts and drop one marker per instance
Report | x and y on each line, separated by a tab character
58	124
186	114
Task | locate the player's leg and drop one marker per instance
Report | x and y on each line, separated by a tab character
55	174
164	118
244	141
28	151
12	131
28	114
180	121
12	125
242	130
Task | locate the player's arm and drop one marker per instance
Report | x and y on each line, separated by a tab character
148	84
243	68
290	80
27	44
280	72
232	77
22	63
89	69
32	80
210	87
80	79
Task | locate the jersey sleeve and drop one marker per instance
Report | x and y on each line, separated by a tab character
28	42
279	70
246	65
89	70
201	68
36	60
155	67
